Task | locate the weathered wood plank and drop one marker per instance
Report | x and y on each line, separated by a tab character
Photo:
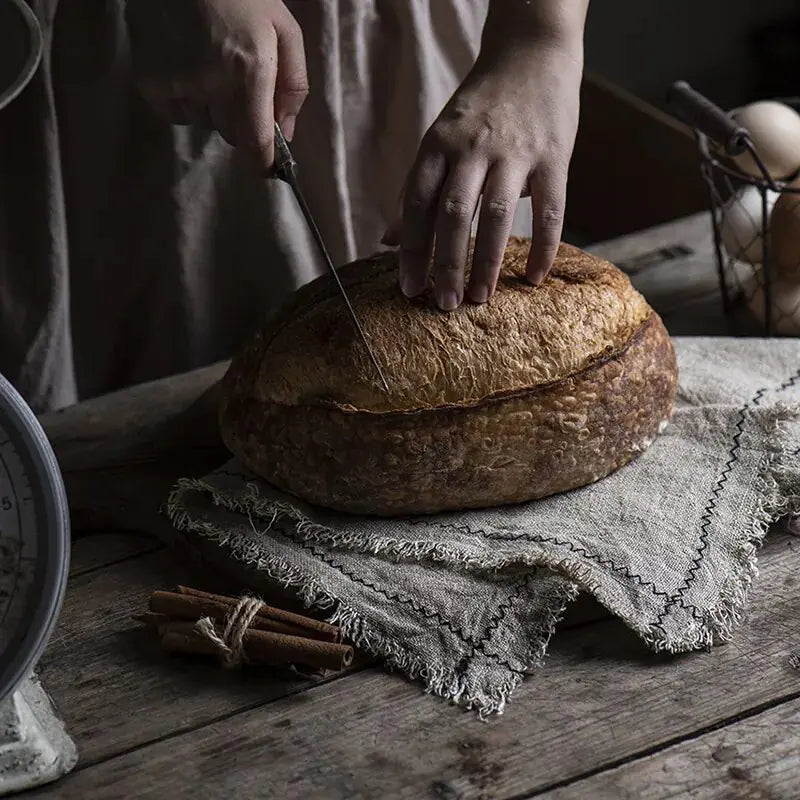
113	685
121	453
755	759
98	549
674	267
96	637
85	429
693	232
601	698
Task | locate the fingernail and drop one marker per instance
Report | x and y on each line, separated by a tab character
448	301
410	287
479	293
287	126
535	278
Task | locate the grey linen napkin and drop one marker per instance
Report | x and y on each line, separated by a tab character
467	602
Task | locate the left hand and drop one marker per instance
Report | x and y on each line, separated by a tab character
508	131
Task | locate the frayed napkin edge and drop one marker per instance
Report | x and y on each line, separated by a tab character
778	489
437	679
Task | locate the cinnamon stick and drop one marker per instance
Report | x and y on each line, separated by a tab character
187	642
323	631
154	619
193	606
261	647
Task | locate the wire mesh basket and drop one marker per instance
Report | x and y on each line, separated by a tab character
754	266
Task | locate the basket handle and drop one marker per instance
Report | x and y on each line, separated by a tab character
699	112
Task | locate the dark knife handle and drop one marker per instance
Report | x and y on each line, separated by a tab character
285	164
698	111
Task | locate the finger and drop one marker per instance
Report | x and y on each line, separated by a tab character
548	188
501	193
456	210
391	236
419	219
291	83
251	103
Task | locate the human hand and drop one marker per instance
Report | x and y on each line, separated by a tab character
508	131
235	66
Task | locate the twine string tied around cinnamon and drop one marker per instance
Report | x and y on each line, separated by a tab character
230	644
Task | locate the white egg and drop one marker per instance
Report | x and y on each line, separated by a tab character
740	224
785	303
774	129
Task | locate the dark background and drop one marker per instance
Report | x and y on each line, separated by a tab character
734	51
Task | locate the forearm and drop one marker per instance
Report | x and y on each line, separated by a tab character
513	22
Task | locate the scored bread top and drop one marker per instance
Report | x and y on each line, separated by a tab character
526	336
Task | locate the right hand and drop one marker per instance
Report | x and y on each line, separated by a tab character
236	66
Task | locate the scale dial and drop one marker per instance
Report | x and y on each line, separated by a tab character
34	539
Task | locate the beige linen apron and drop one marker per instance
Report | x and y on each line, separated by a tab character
131	249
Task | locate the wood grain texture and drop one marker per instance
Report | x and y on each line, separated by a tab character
755	759
113	685
674	267
76	430
98	659
120	454
98	549
601	698
667	263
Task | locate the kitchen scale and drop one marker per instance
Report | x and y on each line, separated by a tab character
34	563
34	523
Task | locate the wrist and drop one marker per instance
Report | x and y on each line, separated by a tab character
513	25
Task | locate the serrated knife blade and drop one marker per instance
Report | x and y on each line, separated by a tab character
286	170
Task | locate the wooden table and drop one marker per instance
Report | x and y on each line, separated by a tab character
605	718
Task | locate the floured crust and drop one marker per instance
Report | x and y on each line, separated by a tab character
589	381
508	450
525	337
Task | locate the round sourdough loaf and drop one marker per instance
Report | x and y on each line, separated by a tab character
539	391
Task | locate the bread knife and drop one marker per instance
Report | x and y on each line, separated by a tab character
286	170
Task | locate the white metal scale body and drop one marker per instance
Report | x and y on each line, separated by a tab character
34	564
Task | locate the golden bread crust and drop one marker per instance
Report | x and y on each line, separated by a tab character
526	336
540	391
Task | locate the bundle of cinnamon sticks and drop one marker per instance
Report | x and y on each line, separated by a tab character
274	637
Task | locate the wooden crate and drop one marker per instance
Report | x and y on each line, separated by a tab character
633	166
